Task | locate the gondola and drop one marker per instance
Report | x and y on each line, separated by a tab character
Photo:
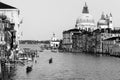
28	69
50	60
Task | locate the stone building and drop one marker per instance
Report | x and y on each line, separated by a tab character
54	42
106	39
86	37
68	39
111	46
9	29
13	16
78	38
76	41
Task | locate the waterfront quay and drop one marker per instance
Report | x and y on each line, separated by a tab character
69	66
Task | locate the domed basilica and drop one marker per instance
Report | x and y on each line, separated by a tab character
85	21
105	21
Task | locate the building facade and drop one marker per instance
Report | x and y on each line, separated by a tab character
54	42
86	37
9	30
76	39
13	15
68	39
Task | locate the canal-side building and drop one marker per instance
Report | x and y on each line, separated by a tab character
54	42
76	39
104	32
68	39
111	42
106	38
111	45
86	37
9	28
76	42
83	41
100	35
13	15
116	48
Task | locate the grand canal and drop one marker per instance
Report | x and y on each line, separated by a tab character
70	66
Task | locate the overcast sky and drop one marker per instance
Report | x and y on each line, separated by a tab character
42	18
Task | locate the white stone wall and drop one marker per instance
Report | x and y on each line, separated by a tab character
14	17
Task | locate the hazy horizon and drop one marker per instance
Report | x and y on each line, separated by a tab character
42	18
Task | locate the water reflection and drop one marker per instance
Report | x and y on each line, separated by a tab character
68	66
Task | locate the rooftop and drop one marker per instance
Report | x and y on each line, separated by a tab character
113	38
6	6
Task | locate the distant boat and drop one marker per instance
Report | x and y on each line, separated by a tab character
23	58
40	50
29	59
29	68
35	61
50	60
37	55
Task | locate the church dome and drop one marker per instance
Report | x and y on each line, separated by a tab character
103	20
86	20
53	38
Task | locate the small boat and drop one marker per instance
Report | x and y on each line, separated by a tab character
29	59
37	55
35	61
50	60
41	51
21	58
29	69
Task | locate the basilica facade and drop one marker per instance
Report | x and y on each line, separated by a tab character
84	23
86	36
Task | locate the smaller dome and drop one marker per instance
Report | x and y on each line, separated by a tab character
53	38
102	22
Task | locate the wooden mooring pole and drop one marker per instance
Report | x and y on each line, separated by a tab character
4	70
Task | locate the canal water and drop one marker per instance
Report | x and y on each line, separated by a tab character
70	66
